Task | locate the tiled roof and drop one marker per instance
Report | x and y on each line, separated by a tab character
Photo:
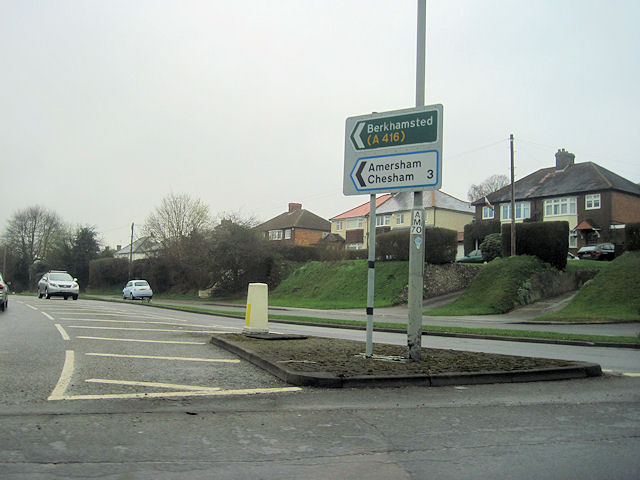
297	219
362	210
403	201
581	177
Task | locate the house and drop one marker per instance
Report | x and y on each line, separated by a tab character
393	212
296	226
144	247
596	202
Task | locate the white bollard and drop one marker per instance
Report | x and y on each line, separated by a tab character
257	318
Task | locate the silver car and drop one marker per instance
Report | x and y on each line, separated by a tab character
58	283
4	295
137	289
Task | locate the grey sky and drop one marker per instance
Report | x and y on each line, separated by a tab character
107	107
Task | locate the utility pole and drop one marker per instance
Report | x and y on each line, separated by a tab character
416	252
513	202
131	254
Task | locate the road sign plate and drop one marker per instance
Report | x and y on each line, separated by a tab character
393	151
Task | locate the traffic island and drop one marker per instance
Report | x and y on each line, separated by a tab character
337	363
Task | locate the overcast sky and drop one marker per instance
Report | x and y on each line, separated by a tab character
106	107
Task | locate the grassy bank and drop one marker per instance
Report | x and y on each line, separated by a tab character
612	296
341	284
495	289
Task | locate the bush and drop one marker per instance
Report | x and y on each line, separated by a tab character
491	247
475	233
549	241
296	253
108	273
632	236
440	244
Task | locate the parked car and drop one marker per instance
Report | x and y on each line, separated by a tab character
474	256
571	256
4	295
137	289
58	283
602	251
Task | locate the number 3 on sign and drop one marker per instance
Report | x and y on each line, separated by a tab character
416	222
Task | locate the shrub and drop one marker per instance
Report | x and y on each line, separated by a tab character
632	236
393	245
549	241
475	233
441	245
491	247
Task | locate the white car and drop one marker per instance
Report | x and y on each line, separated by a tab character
4	295
58	283
137	289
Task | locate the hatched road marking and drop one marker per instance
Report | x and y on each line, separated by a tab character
153	357
142	341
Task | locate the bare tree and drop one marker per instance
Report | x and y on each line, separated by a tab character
177	217
32	232
490	185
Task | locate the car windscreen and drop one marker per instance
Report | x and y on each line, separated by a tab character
61	277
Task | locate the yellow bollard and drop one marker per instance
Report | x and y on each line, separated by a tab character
257	318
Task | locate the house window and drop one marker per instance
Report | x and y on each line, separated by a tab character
354	223
287	234
592	202
339	225
383	220
523	210
560	206
573	239
399	218
275	234
487	212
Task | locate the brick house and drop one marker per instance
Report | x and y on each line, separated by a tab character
296	226
596	202
393	212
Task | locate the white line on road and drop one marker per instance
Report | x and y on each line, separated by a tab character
153	384
141	341
152	357
246	391
65	377
63	333
30	306
47	315
146	322
145	329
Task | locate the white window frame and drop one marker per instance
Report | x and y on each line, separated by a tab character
592	201
355	223
523	210
399	218
383	220
573	239
339	225
287	234
554	207
275	234
488	212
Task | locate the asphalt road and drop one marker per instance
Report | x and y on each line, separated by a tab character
144	396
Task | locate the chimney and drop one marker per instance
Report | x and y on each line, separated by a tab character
293	207
564	159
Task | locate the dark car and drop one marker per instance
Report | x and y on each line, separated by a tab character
474	256
602	251
4	295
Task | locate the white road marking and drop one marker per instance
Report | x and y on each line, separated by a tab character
626	374
47	315
246	391
65	377
145	322
30	306
145	329
153	384
63	333
141	341
152	357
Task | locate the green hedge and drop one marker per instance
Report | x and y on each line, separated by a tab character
549	241
476	232
441	245
632	236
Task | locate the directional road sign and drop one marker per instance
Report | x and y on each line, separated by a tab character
393	151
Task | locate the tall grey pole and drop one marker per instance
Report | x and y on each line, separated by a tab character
131	254
513	202
416	248
371	274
